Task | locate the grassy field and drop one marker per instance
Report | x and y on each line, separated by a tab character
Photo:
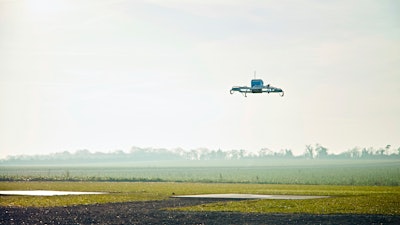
310	172
356	186
345	199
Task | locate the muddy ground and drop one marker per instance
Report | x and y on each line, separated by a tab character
152	212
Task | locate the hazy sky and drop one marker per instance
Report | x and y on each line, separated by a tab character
111	74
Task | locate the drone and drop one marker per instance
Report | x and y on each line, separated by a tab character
257	86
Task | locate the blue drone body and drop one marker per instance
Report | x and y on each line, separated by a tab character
257	86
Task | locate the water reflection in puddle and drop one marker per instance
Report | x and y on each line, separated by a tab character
48	193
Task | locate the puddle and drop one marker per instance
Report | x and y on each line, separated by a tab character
250	196
48	193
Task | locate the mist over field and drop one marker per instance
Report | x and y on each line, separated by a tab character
357	166
136	154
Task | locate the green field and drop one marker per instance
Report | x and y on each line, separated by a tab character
345	199
356	186
310	172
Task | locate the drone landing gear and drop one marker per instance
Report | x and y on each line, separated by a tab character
244	93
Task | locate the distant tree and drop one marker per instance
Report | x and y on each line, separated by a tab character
321	151
387	149
288	153
309	152
380	151
82	152
179	151
118	152
234	154
204	153
219	154
195	154
355	152
367	153
62	155
242	153
265	152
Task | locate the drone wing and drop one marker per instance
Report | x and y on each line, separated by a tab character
270	89
241	89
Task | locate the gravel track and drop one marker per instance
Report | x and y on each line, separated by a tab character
152	212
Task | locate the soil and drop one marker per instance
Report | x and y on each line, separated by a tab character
152	212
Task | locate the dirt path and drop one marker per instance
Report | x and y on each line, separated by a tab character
151	213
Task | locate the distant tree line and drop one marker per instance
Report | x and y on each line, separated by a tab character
154	154
320	152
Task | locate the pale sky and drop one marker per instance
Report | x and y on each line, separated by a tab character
104	75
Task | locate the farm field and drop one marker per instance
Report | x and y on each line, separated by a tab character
367	191
382	200
309	172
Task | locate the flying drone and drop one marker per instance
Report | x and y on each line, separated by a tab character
257	86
